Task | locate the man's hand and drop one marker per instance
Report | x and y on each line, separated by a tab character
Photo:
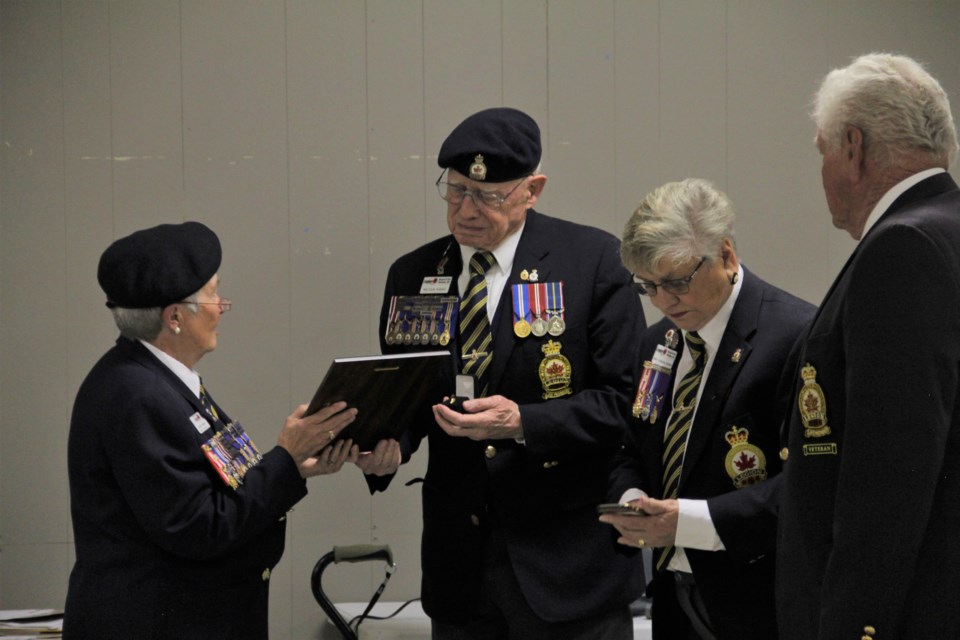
655	524
304	437
384	460
493	418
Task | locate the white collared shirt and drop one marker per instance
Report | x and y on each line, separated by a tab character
189	377
895	192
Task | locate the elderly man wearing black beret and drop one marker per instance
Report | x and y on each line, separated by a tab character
178	518
543	321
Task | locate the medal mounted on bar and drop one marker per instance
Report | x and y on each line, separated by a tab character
654	383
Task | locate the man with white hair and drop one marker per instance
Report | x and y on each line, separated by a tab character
869	520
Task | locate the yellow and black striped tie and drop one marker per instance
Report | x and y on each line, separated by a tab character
209	408
476	338
678	426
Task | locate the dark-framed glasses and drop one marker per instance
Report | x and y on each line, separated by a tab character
490	200
677	287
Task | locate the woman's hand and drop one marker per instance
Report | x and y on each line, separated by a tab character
306	439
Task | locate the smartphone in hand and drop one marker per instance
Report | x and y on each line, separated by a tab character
618	509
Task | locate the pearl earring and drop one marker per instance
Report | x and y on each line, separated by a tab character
176	331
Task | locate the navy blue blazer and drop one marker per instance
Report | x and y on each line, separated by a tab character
870	518
543	493
741	391
165	549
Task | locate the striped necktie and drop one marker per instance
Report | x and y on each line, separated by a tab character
208	407
476	339
678	426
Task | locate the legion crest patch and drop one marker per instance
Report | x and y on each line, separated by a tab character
745	463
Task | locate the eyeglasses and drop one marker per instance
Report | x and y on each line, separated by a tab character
225	304
677	287
489	200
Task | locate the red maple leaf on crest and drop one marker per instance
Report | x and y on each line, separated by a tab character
745	462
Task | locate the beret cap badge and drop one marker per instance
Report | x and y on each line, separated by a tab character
478	170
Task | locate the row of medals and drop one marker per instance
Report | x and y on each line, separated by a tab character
422	331
555	326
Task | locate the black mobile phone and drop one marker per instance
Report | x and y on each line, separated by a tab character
619	509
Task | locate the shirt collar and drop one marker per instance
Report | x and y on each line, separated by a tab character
895	192
187	375
712	332
504	253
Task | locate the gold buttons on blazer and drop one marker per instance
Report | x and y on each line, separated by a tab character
550	464
265	575
868	633
784	453
490	451
475	519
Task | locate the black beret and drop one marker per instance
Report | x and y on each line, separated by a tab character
158	266
494	145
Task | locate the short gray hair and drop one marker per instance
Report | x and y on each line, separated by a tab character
145	324
679	221
900	108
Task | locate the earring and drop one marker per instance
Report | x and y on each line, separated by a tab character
735	277
176	331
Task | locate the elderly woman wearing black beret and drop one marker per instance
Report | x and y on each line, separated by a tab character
178	518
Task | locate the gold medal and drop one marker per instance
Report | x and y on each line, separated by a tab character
444	338
522	328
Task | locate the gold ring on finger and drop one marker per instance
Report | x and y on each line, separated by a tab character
332	434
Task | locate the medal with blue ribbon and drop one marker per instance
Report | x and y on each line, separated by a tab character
655	380
521	304
556	325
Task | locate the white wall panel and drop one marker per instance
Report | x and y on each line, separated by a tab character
88	183
773	71
145	113
34	406
693	92
582	108
33	241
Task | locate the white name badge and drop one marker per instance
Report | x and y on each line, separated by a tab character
436	284
664	357
199	422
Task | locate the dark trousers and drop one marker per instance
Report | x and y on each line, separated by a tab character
678	611
503	612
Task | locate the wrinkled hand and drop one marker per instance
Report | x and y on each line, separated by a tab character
493	418
331	459
655	523
384	460
304	437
